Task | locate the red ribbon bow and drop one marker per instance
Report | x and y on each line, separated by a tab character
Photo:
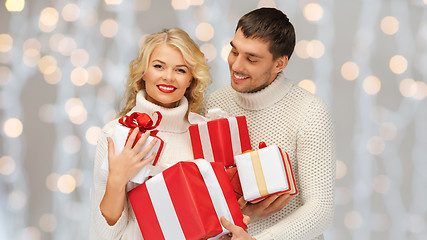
142	121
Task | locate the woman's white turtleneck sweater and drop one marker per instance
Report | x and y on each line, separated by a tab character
173	129
300	124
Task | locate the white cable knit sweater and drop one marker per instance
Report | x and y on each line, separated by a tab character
173	129
300	124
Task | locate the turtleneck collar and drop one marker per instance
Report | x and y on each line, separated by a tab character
174	119
265	97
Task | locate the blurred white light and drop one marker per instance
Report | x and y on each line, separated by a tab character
350	71
92	134
408	87
398	64
71	12
48	222
109	28
51	181
376	145
71	144
196	2
389	25
204	31
47	65
353	220
113	2
79	76
371	85
180	4
48	19
6	43
77	175
341	170
301	49
382	183
421	92
54	77
308	85
315	49
94	75
66	184
313	12
225	51
209	50
79	57
13	127
7	165
66	46
31	57
15	5
17	199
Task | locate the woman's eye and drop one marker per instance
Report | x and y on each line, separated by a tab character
182	70
157	66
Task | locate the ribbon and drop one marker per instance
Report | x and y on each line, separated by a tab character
143	122
259	174
212	114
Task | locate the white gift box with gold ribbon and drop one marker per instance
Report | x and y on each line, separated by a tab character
264	172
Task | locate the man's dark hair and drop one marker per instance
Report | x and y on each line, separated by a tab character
270	25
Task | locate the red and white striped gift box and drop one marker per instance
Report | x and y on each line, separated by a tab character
220	140
186	201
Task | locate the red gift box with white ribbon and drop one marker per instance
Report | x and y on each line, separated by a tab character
122	131
220	140
186	201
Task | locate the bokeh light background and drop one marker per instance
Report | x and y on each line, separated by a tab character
63	65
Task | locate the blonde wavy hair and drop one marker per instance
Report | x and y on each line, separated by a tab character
193	57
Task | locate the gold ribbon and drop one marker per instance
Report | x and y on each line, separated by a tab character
259	175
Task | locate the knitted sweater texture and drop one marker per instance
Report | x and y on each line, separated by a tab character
300	124
173	130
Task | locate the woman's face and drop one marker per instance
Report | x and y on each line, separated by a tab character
167	76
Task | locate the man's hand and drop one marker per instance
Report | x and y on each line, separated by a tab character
265	208
236	232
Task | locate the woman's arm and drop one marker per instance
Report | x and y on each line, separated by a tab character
122	168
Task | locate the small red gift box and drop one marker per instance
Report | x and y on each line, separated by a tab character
122	131
233	176
220	140
186	201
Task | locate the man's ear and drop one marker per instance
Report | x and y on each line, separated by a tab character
281	63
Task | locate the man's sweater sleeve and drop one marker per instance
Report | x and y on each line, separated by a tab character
316	177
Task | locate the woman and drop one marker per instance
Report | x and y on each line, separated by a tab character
170	75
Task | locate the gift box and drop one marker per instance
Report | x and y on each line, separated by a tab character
122	131
265	172
220	140
186	201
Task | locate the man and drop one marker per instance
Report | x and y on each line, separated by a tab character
279	112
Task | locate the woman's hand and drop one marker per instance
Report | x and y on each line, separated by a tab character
236	232
122	168
126	165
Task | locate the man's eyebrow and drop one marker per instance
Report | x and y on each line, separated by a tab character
248	53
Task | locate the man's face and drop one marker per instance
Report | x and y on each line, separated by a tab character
251	64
